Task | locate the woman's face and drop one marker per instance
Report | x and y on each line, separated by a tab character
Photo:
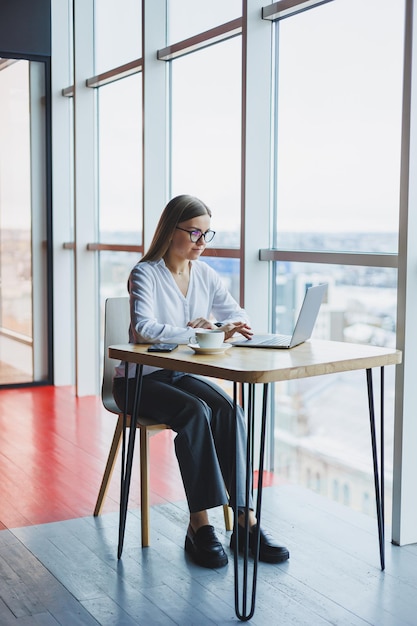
181	245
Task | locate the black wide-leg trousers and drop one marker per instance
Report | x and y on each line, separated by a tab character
202	415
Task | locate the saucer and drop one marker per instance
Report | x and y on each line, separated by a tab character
219	350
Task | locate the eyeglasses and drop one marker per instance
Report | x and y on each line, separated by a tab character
195	235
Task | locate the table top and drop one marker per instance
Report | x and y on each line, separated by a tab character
263	365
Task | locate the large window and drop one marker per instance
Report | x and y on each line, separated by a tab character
118	81
337	172
117	33
339	71
23	223
206	143
321	424
188	17
15	208
120	180
206	133
315	183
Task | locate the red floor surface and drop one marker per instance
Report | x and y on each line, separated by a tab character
53	449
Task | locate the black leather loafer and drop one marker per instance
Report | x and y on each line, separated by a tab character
269	550
204	547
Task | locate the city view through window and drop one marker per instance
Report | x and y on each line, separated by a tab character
337	167
336	162
319	443
337	158
15	225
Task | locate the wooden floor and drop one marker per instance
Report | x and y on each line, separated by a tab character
58	564
53	448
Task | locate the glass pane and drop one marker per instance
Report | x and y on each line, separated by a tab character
206	144
120	161
115	268
229	270
315	434
339	126
188	17
360	306
15	250
22	222
117	33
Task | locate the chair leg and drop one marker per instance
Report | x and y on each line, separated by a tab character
144	481
228	517
144	486
111	461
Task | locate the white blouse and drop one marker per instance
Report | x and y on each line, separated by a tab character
159	312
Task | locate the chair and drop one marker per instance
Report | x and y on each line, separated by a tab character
116	323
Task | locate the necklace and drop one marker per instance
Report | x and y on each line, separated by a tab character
173	271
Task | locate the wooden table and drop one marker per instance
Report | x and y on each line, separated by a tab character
250	367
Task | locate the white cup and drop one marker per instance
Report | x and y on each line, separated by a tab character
207	338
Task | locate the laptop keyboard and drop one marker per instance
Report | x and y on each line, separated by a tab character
279	340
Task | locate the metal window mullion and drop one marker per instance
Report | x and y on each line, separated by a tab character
62	200
123	71
154	107
286	8
39	200
202	40
256	165
68	92
404	513
333	258
111	76
85	228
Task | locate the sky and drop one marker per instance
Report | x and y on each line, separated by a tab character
338	116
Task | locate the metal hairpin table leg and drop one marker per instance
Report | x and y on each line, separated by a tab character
243	612
128	459
378	476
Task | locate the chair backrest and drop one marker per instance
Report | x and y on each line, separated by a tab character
116	328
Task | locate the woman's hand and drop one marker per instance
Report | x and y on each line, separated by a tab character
236	327
201	322
228	329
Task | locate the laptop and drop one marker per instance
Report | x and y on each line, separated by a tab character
303	328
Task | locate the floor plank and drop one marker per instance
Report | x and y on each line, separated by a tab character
30	594
58	564
53	449
332	577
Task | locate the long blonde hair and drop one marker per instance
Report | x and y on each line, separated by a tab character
179	209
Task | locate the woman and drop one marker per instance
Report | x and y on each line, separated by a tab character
171	292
